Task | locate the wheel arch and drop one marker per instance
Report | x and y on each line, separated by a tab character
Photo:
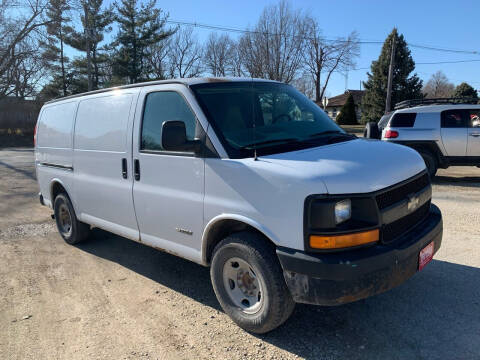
432	148
56	187
428	146
223	225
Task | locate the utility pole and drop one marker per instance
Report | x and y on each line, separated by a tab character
390	75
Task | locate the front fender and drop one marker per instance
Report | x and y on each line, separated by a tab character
240	218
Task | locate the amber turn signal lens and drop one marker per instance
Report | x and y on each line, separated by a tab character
343	241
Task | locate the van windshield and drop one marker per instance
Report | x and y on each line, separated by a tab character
266	116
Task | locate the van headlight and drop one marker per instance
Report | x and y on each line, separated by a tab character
343	211
333	222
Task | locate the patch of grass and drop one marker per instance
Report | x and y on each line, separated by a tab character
354	129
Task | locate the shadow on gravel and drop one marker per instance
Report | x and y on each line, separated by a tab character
181	275
434	315
28	173
467	181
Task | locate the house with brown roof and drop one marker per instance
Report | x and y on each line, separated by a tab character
333	105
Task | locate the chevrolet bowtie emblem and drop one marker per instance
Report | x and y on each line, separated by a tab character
412	203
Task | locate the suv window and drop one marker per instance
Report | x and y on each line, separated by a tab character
163	106
474	118
382	123
403	120
453	119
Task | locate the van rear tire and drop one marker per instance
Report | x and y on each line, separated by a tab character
248	281
71	230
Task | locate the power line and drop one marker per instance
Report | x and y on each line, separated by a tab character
448	62
457	51
246	31
428	63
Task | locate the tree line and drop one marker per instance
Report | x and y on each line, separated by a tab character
131	41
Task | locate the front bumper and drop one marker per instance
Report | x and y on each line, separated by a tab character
342	277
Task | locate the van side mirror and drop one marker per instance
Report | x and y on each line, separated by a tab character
174	137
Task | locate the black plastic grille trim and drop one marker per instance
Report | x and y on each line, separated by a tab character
397	228
400	193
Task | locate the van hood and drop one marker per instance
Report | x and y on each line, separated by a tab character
356	166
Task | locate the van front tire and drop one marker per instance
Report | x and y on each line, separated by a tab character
71	230
248	281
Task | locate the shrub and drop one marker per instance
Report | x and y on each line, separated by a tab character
347	114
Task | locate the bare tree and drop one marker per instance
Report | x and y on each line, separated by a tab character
236	61
157	59
17	34
305	84
28	70
323	57
218	54
438	86
185	54
273	49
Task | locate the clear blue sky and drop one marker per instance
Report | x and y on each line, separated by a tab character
446	24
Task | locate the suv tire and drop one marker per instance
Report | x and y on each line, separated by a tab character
248	281
71	230
372	131
430	162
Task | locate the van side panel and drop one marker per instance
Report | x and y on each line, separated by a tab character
102	140
53	152
54	134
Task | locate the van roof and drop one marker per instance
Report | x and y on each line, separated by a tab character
184	81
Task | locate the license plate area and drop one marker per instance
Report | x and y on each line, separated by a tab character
425	255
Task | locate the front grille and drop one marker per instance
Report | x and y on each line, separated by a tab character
393	230
400	193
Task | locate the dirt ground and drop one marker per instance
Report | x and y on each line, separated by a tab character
112	298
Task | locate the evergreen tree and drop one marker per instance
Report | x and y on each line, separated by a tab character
76	81
57	28
347	114
140	27
96	22
465	90
403	86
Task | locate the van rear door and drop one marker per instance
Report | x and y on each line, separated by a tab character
102	148
169	187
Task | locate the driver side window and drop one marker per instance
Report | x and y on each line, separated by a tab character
163	106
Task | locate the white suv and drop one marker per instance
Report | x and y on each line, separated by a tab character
445	135
246	176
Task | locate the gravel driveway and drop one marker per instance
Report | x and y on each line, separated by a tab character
112	298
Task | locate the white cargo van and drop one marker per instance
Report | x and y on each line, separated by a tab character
246	176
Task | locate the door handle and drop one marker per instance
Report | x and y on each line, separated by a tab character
136	169
124	168
475	134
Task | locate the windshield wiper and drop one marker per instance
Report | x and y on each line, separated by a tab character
269	142
332	132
